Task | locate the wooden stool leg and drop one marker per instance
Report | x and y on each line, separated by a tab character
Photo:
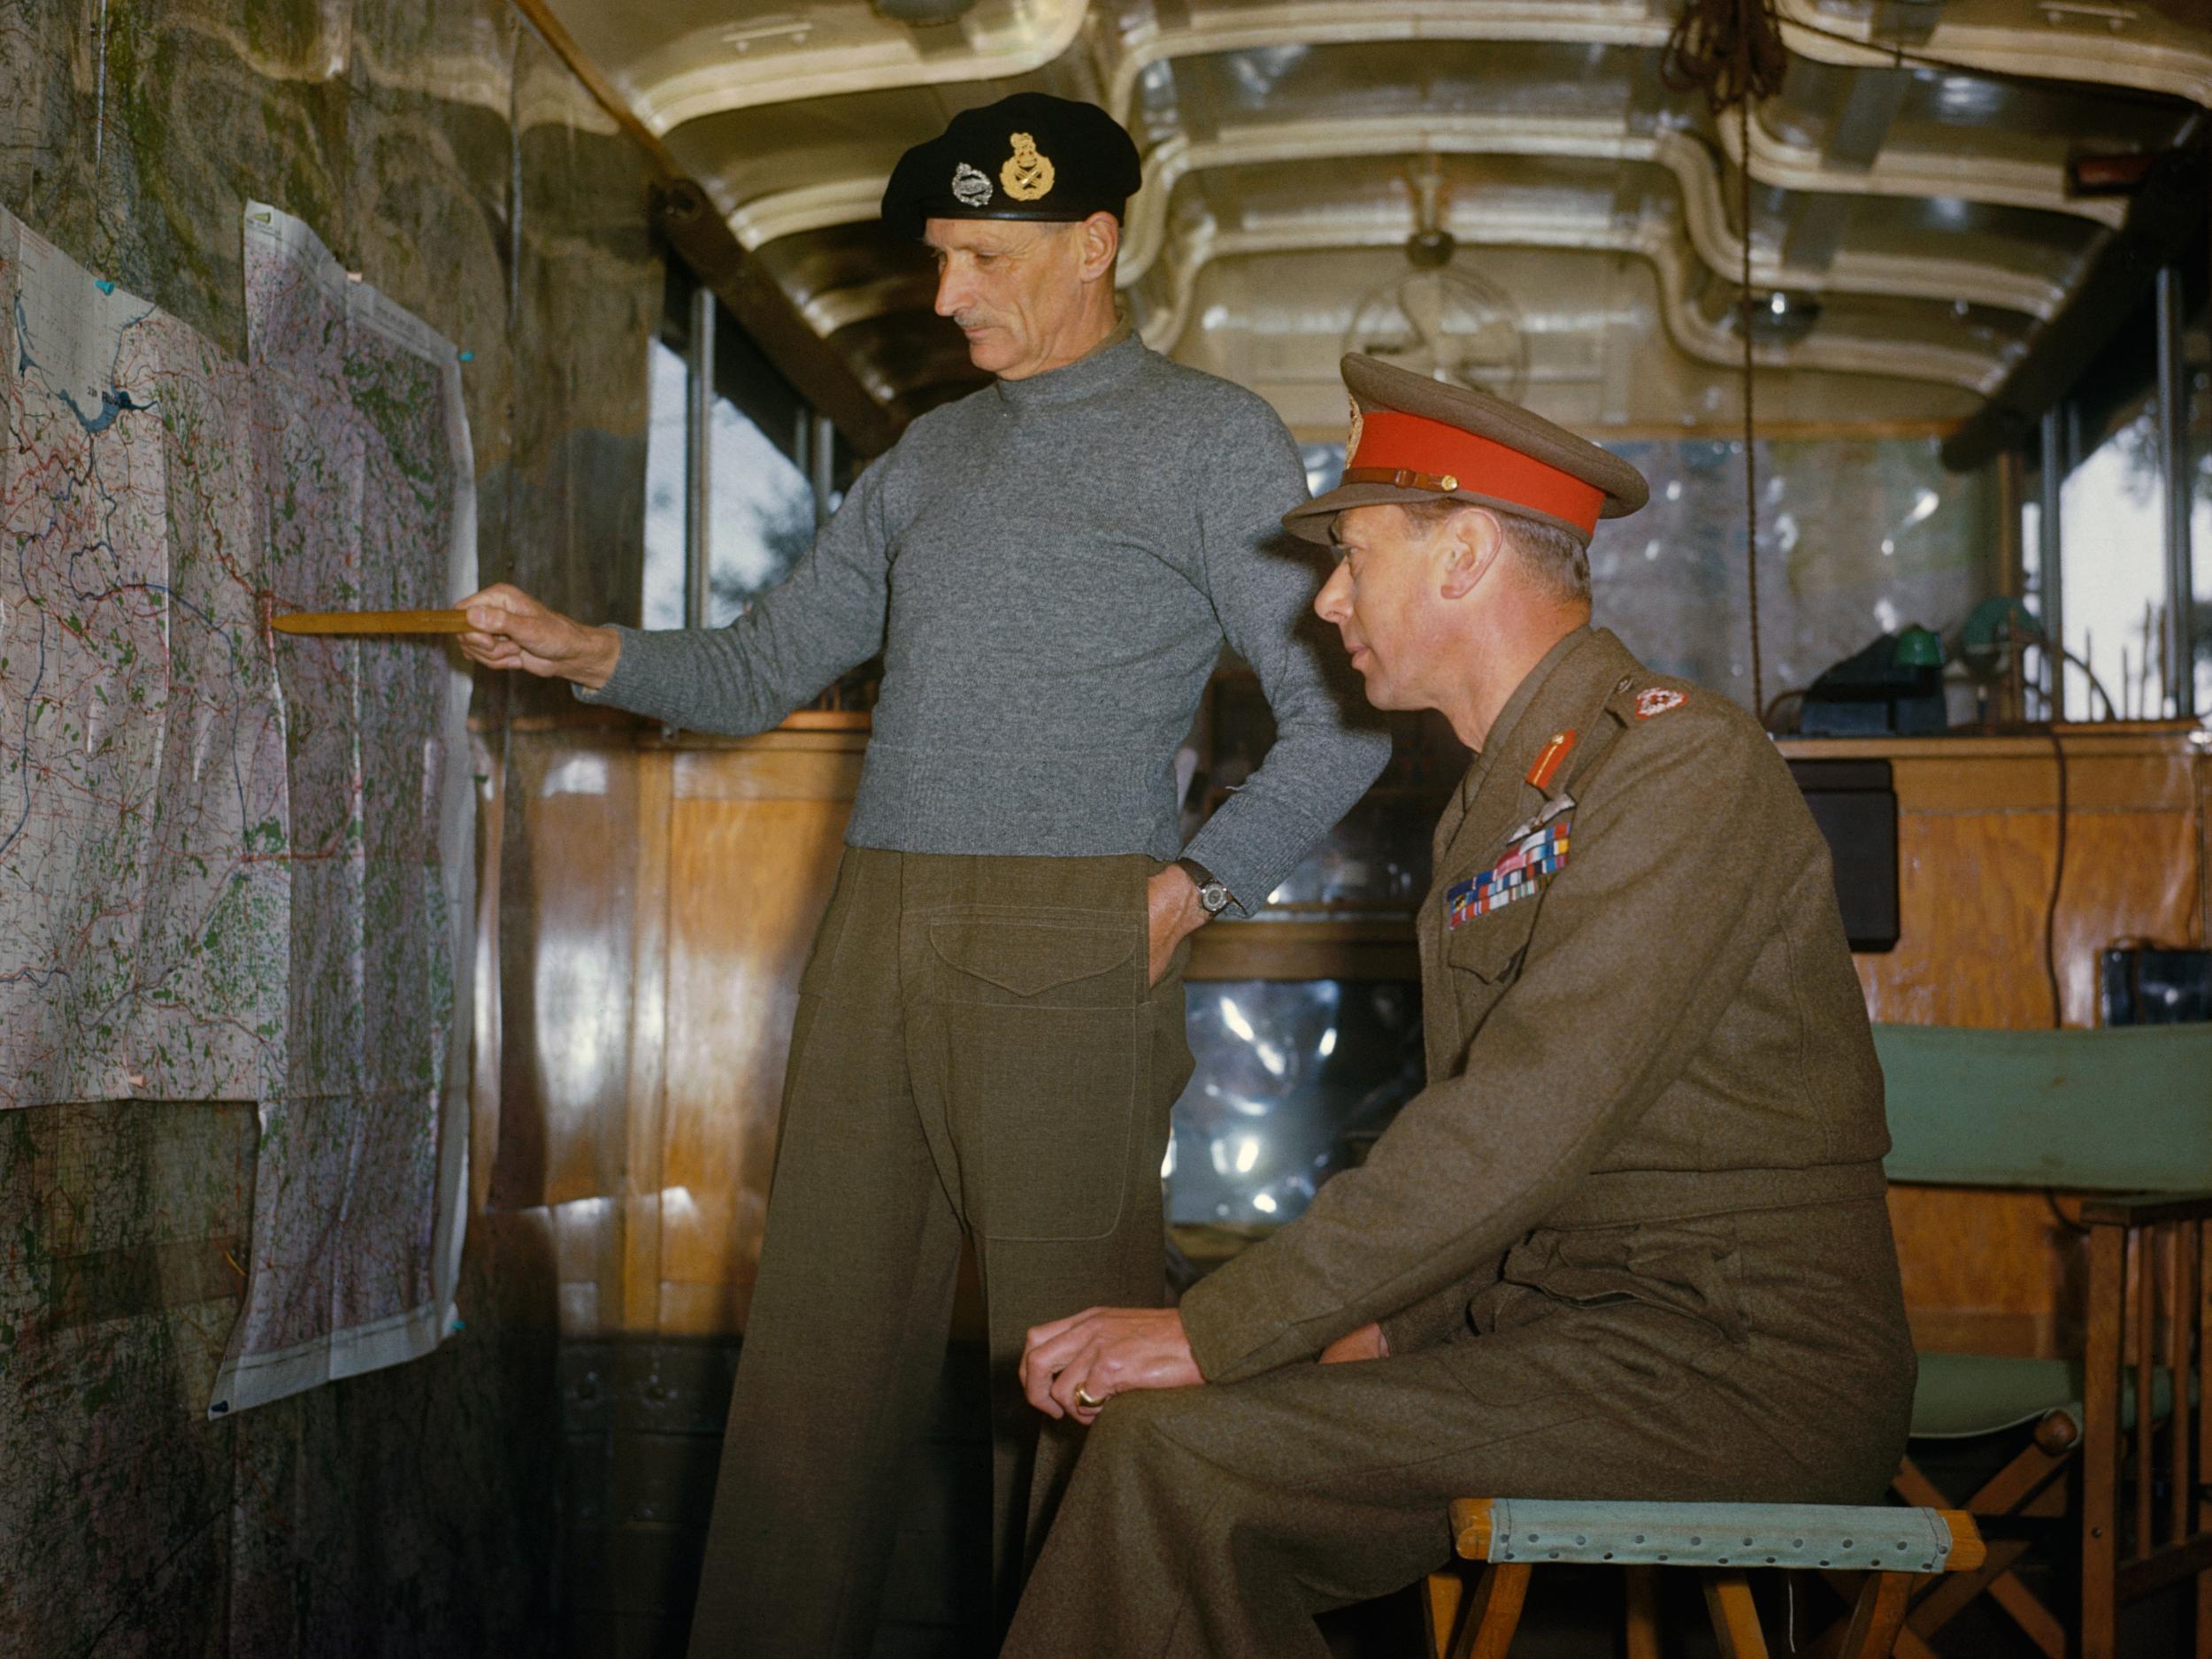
1878	1616
1735	1620
1640	1629
1440	1600
1495	1614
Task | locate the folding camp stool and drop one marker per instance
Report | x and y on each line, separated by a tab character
1725	1541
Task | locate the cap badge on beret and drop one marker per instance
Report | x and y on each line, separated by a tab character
969	187
1027	175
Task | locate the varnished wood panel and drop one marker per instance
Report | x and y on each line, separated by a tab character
568	906
642	1193
1974	890
1367	950
662	895
1988	1272
755	836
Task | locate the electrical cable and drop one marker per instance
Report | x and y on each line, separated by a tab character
2058	881
2067	1223
2089	674
1768	715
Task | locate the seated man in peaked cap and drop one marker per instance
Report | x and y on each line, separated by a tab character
1631	1242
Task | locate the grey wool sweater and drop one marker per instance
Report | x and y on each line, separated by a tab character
1049	566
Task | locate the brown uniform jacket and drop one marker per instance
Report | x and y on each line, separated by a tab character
1668	1029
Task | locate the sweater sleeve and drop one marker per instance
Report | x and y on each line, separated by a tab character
1329	744
828	617
1593	1030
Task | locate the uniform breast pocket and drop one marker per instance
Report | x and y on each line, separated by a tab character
1041	1025
1492	946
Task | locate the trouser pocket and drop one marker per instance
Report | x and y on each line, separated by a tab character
1044	1049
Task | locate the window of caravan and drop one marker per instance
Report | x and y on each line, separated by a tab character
763	511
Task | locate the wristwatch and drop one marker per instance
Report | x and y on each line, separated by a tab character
1213	898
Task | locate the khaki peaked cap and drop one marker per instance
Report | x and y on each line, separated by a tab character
1413	439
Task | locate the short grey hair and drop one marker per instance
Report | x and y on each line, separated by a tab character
1556	557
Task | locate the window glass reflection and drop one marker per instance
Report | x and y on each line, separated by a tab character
665	462
2112	565
1290	1075
763	521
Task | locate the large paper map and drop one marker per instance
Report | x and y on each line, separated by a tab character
235	864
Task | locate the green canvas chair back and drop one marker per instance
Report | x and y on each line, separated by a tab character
2128	1109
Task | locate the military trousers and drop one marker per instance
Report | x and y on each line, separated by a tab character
976	1052
1215	1522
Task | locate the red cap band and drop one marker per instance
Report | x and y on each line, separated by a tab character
1453	458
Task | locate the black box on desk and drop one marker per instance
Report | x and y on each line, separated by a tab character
2153	984
1855	804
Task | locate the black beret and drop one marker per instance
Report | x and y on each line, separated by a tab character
1028	157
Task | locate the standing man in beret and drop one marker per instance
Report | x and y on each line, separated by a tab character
989	1034
1630	1242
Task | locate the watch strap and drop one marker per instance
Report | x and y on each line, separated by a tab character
1213	897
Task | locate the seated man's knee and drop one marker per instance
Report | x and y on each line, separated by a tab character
1147	1426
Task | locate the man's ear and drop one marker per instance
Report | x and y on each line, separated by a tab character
1472	542
1099	240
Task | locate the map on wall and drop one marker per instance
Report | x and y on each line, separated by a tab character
235	864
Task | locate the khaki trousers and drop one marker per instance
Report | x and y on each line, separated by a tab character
977	1052
1215	1522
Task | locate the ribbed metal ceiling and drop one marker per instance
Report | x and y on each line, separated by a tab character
1910	191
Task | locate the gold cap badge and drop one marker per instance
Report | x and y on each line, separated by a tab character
1027	175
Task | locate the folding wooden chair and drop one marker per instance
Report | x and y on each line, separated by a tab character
2113	1111
1723	1542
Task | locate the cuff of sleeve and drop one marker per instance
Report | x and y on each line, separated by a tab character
1248	885
1411	1330
625	666
1208	1325
1232	1333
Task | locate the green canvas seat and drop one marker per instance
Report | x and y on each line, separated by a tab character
1961	1396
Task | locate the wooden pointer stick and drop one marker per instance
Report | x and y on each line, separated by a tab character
371	622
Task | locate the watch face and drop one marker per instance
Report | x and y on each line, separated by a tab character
1213	897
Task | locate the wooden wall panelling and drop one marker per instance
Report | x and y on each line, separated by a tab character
488	745
642	1192
566	962
756	828
1989	1271
1994	1271
1977	838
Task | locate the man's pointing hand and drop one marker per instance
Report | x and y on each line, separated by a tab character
509	629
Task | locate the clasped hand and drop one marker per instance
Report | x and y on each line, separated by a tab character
1072	1367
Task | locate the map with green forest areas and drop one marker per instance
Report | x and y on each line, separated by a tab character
236	865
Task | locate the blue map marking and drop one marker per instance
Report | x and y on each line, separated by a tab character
113	401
